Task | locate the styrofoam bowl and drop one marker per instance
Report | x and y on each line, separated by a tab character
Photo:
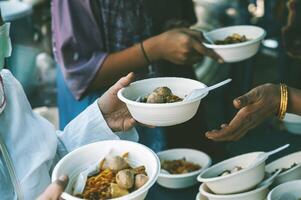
177	181
166	114
286	162
292	188
241	181
240	51
78	160
292	123
256	194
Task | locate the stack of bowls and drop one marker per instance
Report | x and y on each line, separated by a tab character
242	184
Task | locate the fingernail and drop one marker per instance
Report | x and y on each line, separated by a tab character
63	178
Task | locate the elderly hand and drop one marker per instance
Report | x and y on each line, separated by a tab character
114	111
255	106
54	191
183	46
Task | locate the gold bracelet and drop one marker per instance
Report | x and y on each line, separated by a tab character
283	101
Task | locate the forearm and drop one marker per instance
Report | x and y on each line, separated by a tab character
121	63
294	101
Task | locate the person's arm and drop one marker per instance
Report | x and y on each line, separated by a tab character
80	49
255	107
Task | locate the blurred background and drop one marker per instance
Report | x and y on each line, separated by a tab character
33	64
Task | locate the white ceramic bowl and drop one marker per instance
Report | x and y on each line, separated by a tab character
256	194
167	114
79	159
241	181
176	181
286	162
240	51
292	123
292	188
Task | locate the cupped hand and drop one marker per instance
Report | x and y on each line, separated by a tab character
184	46
254	107
55	189
114	111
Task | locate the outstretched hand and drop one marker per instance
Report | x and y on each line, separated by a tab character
254	107
114	111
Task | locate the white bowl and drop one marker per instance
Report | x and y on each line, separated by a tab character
292	188
167	114
256	194
292	123
240	51
176	181
243	180
286	162
79	159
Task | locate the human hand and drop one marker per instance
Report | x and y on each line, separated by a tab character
184	46
55	189
114	111
254	107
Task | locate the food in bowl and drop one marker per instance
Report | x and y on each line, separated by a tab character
161	95
228	172
232	39
113	177
180	166
285	169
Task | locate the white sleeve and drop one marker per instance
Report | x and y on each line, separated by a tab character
88	127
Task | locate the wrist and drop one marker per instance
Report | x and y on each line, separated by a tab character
152	48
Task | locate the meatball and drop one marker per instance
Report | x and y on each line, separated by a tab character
125	178
115	163
140	180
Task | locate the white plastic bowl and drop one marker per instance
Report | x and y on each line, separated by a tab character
292	123
293	188
243	180
79	159
177	181
167	114
286	162
256	194
240	51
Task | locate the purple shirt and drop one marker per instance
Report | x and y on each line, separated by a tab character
85	31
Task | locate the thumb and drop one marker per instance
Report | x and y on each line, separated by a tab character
55	189
123	82
246	99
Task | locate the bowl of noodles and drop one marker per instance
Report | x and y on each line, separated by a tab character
112	169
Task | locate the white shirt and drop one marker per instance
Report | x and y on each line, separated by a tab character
31	146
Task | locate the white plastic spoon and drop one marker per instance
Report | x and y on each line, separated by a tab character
266	155
270	179
199	92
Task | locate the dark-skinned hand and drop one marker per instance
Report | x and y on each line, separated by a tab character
254	107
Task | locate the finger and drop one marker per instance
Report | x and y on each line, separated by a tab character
129	124
198	35
246	99
201	49
123	82
54	191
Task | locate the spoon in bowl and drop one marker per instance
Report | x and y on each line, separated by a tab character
270	179
266	155
196	93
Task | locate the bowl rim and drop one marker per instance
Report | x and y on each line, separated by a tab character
287	171
190	174
290	121
255	190
282	185
218	178
227	46
132	194
158	105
